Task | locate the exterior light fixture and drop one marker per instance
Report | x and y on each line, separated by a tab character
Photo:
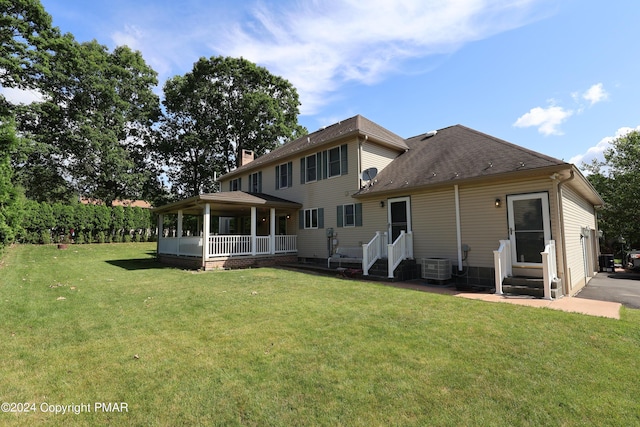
498	202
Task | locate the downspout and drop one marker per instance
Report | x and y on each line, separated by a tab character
458	232
565	267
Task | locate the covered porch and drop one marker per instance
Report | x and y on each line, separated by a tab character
227	230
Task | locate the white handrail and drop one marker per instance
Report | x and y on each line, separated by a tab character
549	269
372	251
502	264
399	250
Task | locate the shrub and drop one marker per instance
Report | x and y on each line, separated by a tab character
45	237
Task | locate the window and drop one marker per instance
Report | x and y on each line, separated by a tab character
311	218
255	182
334	162
311	169
284	174
350	215
235	184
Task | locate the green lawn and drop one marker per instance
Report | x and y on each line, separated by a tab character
273	347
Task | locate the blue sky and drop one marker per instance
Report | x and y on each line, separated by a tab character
558	77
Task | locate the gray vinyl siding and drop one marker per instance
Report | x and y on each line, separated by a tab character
578	213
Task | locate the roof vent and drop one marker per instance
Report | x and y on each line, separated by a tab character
429	134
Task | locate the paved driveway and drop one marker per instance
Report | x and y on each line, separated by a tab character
622	287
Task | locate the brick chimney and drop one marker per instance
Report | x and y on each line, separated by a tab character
247	157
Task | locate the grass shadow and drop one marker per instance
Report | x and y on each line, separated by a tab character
137	264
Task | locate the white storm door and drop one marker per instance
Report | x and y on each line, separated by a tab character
399	217
529	227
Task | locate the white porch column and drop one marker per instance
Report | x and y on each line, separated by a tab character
254	231
179	230
205	233
272	231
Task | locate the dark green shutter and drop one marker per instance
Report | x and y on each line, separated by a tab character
358	214
325	164
301	219
290	174
239	184
259	182
340	216
302	170
344	160
277	177
320	217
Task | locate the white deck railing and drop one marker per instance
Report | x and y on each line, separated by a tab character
286	243
184	246
373	251
399	250
502	264
226	245
549	267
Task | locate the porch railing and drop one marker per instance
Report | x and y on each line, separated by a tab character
184	246
549	267
286	243
502	264
399	250
230	245
373	251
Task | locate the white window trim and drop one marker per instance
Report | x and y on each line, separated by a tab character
311	227
344	215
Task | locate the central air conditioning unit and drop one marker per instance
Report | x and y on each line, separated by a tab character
436	268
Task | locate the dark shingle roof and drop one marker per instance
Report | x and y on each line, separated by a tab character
455	153
354	126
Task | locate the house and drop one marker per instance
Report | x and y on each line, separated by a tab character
448	204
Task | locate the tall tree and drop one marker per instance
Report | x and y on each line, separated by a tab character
617	179
223	106
25	36
91	131
10	200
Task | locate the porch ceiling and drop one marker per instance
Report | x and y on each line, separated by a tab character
227	202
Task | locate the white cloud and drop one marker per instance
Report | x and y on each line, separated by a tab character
320	46
595	94
547	120
597	151
21	96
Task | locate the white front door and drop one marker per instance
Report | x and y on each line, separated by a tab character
529	227
399	217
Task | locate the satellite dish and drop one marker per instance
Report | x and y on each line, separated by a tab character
369	174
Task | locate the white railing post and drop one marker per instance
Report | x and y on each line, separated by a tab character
384	253
548	267
502	264
365	259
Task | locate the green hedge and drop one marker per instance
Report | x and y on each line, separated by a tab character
78	223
